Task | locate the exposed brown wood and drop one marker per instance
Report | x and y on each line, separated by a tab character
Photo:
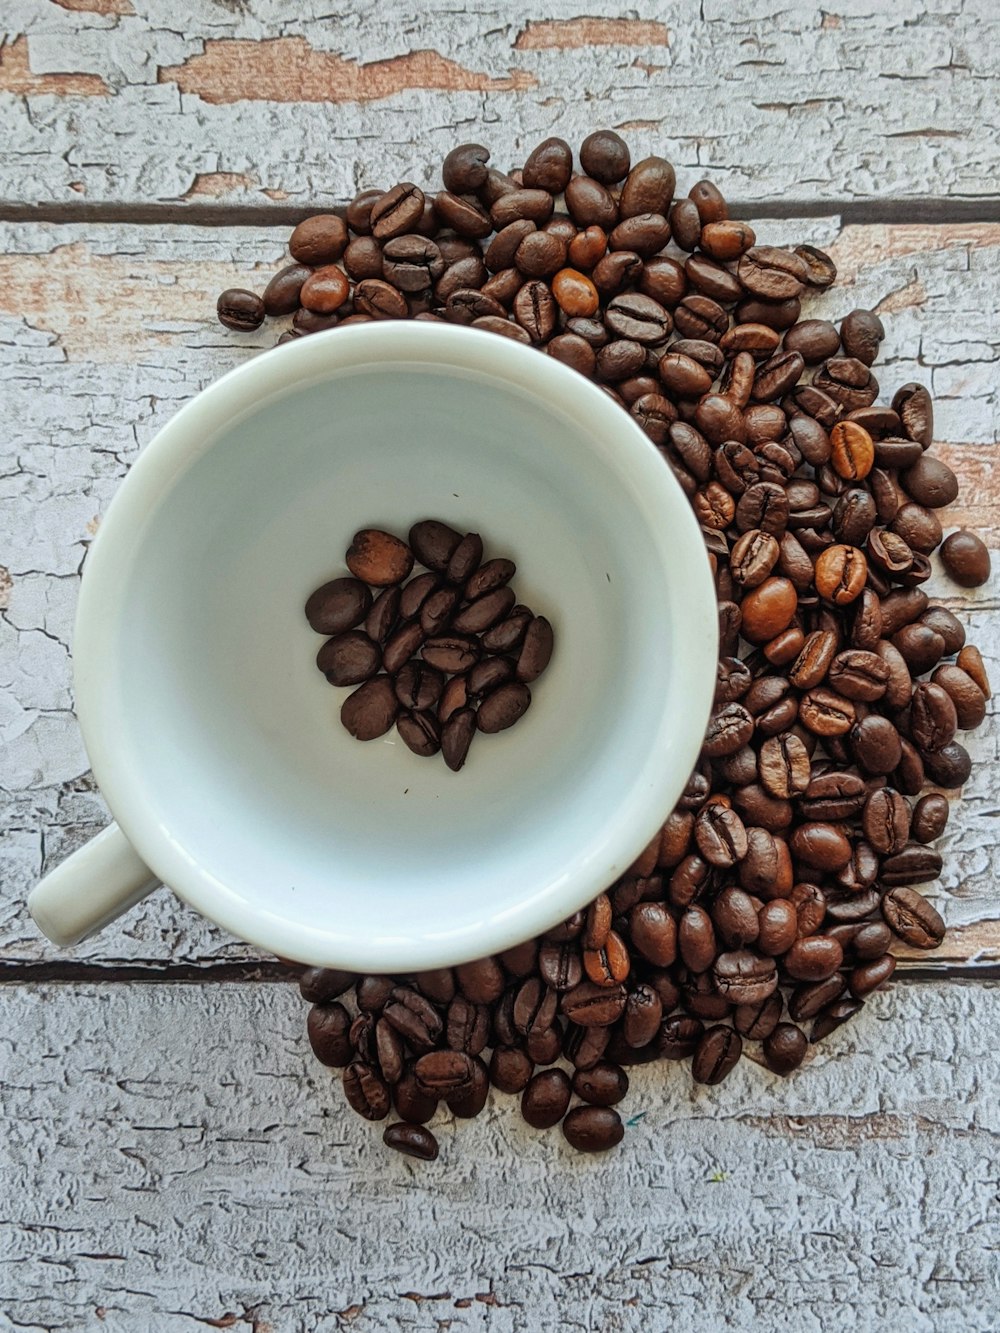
96	6
16	76
288	69
566	34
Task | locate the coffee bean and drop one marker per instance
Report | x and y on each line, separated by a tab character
546	1098
785	1048
349	658
443	1073
510	1069
605	156
886	820
772	273
241	310
721	836
319	985
950	766
841	572
593	1128
910	916
366	1092
744	977
813	958
913	864
338	605
717	1054
777	927
412	1141
608	964
814	339
966	559
327	1028
825	713
371	710
505	706
930	816
604	1084
933	719
860	675
589	1005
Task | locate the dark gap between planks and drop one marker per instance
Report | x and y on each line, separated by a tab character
67	972
898	211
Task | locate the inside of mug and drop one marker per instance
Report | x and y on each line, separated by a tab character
232	736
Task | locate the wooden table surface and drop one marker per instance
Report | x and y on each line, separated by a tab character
172	1157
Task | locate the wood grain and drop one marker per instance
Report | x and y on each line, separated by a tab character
872	105
108	330
174	1159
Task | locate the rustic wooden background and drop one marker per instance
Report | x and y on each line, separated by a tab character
172	1158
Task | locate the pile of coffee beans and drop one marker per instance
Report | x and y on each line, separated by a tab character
765	909
442	655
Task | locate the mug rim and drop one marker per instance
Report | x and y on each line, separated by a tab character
193	431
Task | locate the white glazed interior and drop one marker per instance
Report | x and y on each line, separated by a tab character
216	740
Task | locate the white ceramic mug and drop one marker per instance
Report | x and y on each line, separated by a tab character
217	743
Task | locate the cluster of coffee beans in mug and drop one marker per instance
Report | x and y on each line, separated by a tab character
443	654
765	909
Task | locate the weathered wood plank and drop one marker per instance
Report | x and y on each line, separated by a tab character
104	101
173	1159
106	331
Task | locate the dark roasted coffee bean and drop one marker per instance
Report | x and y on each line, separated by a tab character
593	1128
603	1084
679	1037
913	864
389	1052
875	744
467	1026
412	1104
910	916
413	1017
785	1048
833	1017
814	339
813	958
966	559
338	605
443	1073
916	411
469	1101
240	310
319	985
950	766
366	1092
772	273
546	1098
868	977
372	993
930	816
560	966
412	1141
593	1006
549	166
758	1021
810	998
716	1056
349	658
327	1027
744	977
933	719
778	924
642	1017
433	543
371	710
886	820
397	211
510	1069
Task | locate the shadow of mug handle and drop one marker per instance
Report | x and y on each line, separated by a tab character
90	889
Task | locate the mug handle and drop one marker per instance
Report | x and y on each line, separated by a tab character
90	889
